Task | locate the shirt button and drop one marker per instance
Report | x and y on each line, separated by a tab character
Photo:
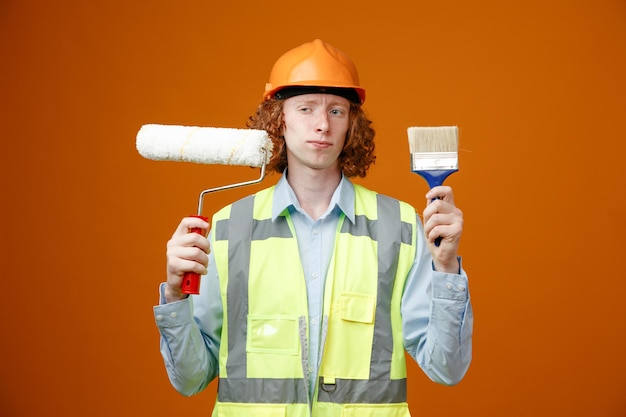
315	232
310	369
313	322
461	288
159	317
449	286
314	274
173	315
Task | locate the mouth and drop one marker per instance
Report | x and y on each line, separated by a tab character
320	144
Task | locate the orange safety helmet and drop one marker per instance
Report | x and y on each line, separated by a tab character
314	67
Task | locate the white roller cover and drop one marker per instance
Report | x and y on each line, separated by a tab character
204	145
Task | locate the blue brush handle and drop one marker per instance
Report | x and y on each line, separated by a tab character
435	178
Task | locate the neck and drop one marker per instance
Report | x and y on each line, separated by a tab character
314	189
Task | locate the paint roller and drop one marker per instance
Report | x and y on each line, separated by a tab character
205	145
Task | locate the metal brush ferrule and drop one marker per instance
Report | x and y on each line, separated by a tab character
421	161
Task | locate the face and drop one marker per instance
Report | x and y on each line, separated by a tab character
315	128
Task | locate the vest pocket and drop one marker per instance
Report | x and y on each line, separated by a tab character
357	307
256	410
376	410
350	324
273	334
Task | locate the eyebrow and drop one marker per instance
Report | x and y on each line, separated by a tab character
332	102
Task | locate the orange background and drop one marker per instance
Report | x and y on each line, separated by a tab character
537	88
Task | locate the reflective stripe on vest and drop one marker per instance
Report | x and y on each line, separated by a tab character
241	224
237	387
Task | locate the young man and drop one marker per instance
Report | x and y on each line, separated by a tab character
313	289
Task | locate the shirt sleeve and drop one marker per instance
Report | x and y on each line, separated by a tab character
190	332
437	318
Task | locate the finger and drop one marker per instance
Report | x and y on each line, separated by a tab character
437	207
188	240
191	253
440	192
449	233
178	267
442	207
448	224
189	223
434	221
186	259
185	239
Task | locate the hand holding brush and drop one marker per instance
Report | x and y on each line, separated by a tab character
434	157
443	226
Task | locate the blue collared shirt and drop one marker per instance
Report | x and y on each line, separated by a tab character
436	311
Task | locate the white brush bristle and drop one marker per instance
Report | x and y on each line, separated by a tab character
433	139
204	145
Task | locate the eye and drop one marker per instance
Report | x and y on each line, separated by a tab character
337	112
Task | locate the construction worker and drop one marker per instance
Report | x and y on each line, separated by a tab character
314	288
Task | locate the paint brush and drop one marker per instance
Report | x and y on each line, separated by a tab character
434	154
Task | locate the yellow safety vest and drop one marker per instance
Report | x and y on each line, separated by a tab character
263	355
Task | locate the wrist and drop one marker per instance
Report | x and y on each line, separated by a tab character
171	294
453	267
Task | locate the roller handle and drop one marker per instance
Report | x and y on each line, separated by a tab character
191	280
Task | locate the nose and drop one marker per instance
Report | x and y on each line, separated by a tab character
321	123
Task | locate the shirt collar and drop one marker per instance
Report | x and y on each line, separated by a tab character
285	198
